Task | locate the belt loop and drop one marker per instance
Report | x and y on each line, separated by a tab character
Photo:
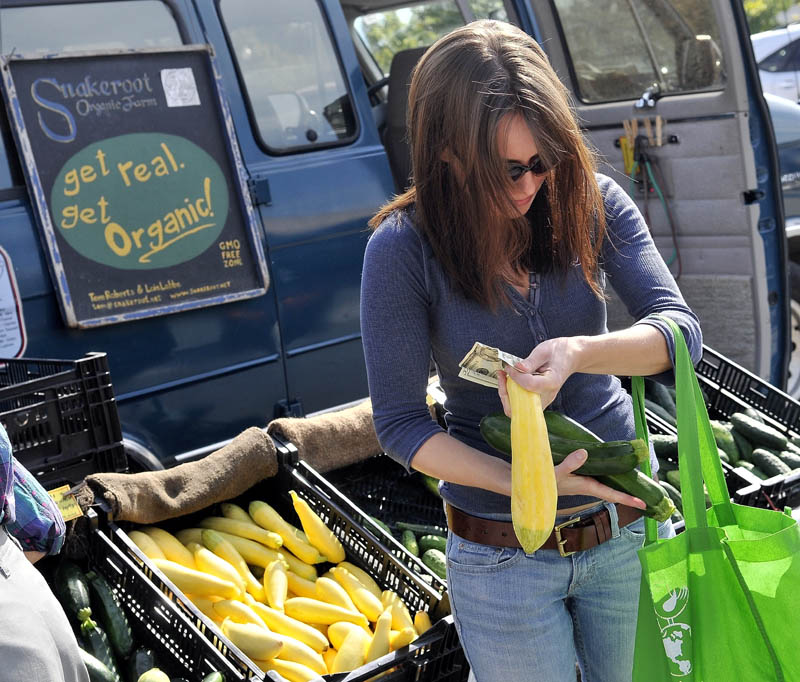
613	518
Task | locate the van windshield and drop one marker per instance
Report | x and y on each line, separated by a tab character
621	48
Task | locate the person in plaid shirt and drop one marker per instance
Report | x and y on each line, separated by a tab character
36	640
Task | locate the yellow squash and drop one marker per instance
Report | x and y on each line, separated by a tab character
533	479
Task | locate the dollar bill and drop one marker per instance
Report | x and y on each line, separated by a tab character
481	364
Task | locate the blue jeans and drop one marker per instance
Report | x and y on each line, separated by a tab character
529	617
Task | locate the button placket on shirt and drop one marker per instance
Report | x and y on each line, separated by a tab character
535	321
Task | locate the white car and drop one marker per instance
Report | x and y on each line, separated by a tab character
778	55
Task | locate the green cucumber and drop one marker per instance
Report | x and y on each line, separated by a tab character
757	433
744	446
658	393
795	440
674	478
659	505
139	662
427	542
72	588
560	425
792	447
674	494
421	528
659	411
380	524
431	484
213	677
753	414
614	457
96	642
665	445
790	459
769	463
436	561
409	541
111	616
98	671
725	441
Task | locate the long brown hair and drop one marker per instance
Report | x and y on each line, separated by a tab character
461	90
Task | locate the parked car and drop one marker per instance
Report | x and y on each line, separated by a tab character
778	55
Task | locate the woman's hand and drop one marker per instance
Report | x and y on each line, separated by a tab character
544	371
575	484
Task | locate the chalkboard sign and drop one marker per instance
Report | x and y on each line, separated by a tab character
137	182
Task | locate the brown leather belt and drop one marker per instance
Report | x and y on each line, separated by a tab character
574	535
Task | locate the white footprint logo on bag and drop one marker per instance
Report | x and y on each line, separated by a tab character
677	636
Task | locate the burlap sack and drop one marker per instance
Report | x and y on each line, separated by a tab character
153	496
331	440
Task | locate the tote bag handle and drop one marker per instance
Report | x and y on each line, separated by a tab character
698	458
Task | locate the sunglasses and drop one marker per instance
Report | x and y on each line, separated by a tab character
536	166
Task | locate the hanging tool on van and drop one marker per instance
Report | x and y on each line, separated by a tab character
641	165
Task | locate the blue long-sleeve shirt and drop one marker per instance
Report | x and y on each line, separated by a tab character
410	314
26	510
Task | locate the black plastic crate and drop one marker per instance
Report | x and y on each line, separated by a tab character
436	655
382	488
730	388
430	510
182	643
61	417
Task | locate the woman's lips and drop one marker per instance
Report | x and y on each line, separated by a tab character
525	201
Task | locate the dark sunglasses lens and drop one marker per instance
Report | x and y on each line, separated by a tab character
516	172
538	167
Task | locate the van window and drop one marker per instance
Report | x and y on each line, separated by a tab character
785	59
291	72
619	49
401	28
38	30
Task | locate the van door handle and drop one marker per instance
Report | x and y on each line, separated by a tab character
259	191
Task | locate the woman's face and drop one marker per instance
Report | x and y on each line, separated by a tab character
517	147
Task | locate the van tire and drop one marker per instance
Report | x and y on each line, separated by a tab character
139	457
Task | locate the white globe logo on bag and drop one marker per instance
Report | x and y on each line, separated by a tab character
677	636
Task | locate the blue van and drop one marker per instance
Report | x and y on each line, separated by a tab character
313	105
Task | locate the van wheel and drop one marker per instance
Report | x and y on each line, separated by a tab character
139	457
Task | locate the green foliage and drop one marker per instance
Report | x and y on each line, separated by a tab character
762	14
389	32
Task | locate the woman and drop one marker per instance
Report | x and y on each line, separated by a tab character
36	641
509	237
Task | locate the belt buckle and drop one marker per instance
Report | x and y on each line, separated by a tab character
560	542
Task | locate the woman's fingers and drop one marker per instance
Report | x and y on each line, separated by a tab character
575	484
571	462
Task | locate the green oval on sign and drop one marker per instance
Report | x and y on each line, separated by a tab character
140	201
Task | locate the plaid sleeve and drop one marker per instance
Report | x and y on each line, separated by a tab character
6	479
29	513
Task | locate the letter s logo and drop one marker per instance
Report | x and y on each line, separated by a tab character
59	109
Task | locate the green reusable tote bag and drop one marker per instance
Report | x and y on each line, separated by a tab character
721	601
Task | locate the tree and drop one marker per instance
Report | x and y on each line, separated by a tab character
762	15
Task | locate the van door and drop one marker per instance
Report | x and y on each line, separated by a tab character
719	225
320	174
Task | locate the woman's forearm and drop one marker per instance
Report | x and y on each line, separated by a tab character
640	350
444	457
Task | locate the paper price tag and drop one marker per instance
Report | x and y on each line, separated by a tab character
67	504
